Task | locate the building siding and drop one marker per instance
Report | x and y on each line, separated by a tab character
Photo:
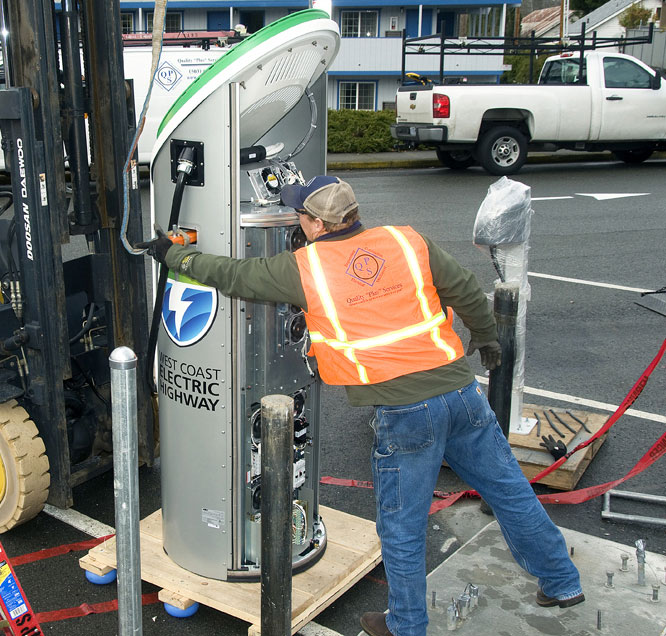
374	59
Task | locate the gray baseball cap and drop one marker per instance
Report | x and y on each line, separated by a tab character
327	198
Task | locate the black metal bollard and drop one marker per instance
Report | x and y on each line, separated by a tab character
500	382
277	478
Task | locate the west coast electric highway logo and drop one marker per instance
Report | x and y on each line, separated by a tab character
188	311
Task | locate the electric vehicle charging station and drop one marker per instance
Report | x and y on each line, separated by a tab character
253	122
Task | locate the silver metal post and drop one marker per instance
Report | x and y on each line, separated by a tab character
640	558
123	363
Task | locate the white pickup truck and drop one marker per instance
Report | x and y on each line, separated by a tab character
605	101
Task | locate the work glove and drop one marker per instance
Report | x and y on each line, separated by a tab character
157	247
556	448
491	353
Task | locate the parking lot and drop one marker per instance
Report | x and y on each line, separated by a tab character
597	242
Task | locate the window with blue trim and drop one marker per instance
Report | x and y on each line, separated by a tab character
359	24
357	95
173	23
126	22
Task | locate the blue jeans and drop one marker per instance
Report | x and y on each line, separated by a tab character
410	442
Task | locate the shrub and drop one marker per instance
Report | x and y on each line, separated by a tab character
636	15
520	69
360	130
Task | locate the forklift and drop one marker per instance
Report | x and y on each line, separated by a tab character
70	293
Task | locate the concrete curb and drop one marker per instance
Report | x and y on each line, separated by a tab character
432	162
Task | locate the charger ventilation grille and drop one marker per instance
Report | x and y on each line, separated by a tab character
299	66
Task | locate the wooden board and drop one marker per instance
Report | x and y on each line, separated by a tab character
532	440
534	458
352	550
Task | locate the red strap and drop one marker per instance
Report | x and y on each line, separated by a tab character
336	481
96	608
59	550
585	494
636	390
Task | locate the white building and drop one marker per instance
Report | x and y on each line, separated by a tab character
605	20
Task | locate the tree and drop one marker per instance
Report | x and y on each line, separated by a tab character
635	16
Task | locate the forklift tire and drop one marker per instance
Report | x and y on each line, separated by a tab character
24	467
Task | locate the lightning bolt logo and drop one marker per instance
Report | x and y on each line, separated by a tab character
178	305
188	311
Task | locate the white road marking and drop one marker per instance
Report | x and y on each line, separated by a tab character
580	281
605	197
80	521
446	546
550	198
573	399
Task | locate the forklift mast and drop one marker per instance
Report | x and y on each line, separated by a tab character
60	318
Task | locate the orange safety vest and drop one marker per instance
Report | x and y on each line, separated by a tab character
373	311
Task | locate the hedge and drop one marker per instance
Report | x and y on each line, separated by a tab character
360	131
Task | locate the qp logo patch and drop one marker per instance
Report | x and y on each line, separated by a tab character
365	266
188	311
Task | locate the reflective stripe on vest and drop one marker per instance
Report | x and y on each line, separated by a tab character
417	276
430	324
331	313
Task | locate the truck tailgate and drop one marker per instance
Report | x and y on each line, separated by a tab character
414	104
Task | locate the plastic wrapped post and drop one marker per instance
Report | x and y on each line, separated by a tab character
502	229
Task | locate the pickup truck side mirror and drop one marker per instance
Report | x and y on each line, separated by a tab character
656	81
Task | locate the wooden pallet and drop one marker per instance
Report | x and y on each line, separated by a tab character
534	458
352	551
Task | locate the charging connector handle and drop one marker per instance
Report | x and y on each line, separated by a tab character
186	160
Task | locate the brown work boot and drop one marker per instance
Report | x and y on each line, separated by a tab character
550	601
374	624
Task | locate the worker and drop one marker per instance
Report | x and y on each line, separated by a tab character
379	305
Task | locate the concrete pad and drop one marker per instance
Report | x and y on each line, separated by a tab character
507	606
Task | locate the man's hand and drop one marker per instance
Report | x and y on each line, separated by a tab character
159	246
556	448
491	353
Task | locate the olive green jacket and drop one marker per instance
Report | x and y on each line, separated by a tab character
277	279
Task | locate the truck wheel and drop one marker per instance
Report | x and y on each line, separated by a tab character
456	159
502	150
633	156
24	467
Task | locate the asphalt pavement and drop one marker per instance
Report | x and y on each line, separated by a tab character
590	365
428	159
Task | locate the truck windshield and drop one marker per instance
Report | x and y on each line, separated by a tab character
563	72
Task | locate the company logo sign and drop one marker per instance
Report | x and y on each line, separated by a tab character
168	76
188	311
365	266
